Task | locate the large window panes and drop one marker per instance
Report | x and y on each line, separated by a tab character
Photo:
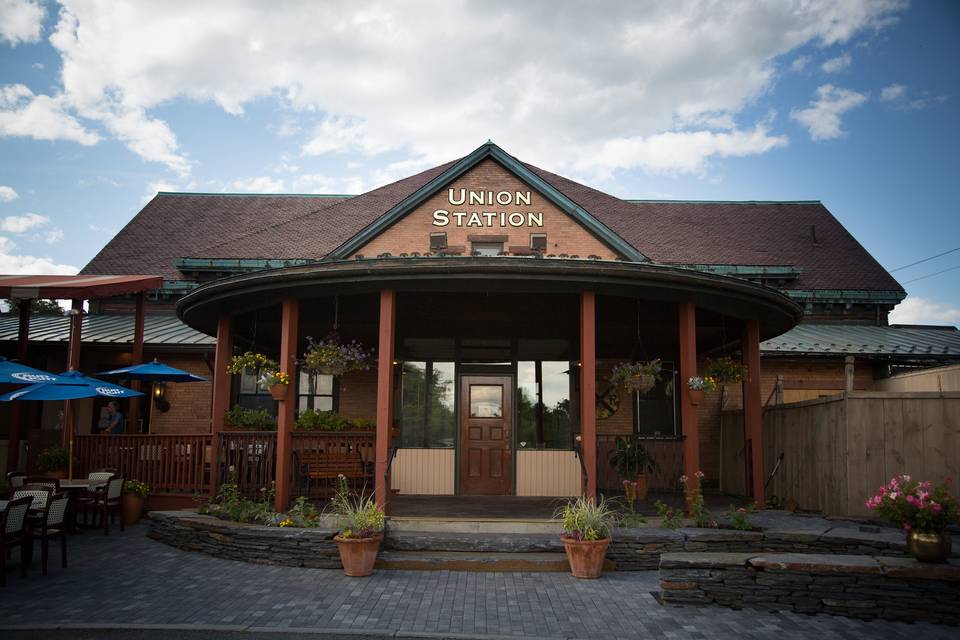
545	417
253	396
315	392
427	410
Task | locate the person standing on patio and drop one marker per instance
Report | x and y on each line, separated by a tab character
115	419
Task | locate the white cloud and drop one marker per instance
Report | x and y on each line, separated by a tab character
914	310
21	21
384	78
53	236
12	263
259	184
800	63
21	224
893	92
41	117
835	65
823	117
8	194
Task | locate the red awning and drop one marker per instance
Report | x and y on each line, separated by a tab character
74	287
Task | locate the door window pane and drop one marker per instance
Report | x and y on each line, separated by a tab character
486	401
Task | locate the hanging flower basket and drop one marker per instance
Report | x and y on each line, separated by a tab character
278	391
252	363
333	357
699	387
725	370
638	377
277	382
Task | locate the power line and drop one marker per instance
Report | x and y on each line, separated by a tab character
924	260
930	275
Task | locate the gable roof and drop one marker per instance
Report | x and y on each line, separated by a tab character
678	233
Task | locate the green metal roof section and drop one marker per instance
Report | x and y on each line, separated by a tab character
846	295
643	201
893	342
489	150
779	272
158	330
235	264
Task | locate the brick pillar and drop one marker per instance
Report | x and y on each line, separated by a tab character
16	414
753	411
137	358
220	401
588	387
286	411
388	318
689	418
73	364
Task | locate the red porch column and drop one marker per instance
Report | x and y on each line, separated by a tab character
73	364
16	415
588	387
220	402
388	318
286	412
137	357
753	411
689	419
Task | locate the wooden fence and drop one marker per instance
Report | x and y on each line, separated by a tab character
838	450
174	464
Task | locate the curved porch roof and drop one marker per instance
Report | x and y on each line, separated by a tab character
723	294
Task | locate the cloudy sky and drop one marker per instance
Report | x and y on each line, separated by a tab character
102	104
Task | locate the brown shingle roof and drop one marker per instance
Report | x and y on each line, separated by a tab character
176	226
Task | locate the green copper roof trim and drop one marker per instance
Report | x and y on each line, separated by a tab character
255	195
845	295
747	270
642	201
489	150
235	264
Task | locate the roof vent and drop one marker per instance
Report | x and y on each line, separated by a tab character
813	234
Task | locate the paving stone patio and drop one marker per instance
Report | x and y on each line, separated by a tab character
128	579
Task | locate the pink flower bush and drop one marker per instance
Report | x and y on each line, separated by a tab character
915	506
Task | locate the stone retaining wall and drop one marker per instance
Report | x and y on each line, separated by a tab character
291	547
866	587
640	549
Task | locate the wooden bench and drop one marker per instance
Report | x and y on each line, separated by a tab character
327	465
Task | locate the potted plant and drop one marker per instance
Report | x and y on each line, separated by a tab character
252	363
636	376
333	357
699	386
277	382
53	462
725	370
633	462
361	530
586	535
240	417
923	511
134	495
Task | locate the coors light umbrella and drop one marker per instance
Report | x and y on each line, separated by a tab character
15	373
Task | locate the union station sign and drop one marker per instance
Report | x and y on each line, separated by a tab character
493	215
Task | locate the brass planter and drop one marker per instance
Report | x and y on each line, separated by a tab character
929	547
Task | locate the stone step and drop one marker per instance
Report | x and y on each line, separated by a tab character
472	542
461	561
474	525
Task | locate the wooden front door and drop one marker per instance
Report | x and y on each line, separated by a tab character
486	435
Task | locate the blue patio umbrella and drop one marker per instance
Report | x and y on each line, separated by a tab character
152	372
71	385
15	373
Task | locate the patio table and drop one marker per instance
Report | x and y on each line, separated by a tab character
73	487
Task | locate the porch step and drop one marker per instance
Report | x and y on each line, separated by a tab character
496	543
474	525
463	561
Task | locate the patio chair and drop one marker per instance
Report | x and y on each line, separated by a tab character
16	479
100	476
105	502
38	493
13	533
53	483
52	523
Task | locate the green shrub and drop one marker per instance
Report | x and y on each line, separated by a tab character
52	459
671	518
311	420
357	517
586	519
251	419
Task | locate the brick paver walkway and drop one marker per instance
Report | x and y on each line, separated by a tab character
128	579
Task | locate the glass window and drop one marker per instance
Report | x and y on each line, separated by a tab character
315	392
487	248
427	410
486	401
253	396
546	415
655	412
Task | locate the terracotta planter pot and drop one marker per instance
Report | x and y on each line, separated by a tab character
586	556
642	482
930	547
358	555
642	383
278	391
696	396
132	506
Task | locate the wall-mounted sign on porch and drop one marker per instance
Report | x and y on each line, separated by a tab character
490	218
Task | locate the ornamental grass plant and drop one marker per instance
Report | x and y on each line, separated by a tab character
587	519
357	516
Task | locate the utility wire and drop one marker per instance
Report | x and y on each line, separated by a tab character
930	275
924	260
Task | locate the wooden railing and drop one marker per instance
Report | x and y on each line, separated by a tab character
172	464
248	459
318	458
667	453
